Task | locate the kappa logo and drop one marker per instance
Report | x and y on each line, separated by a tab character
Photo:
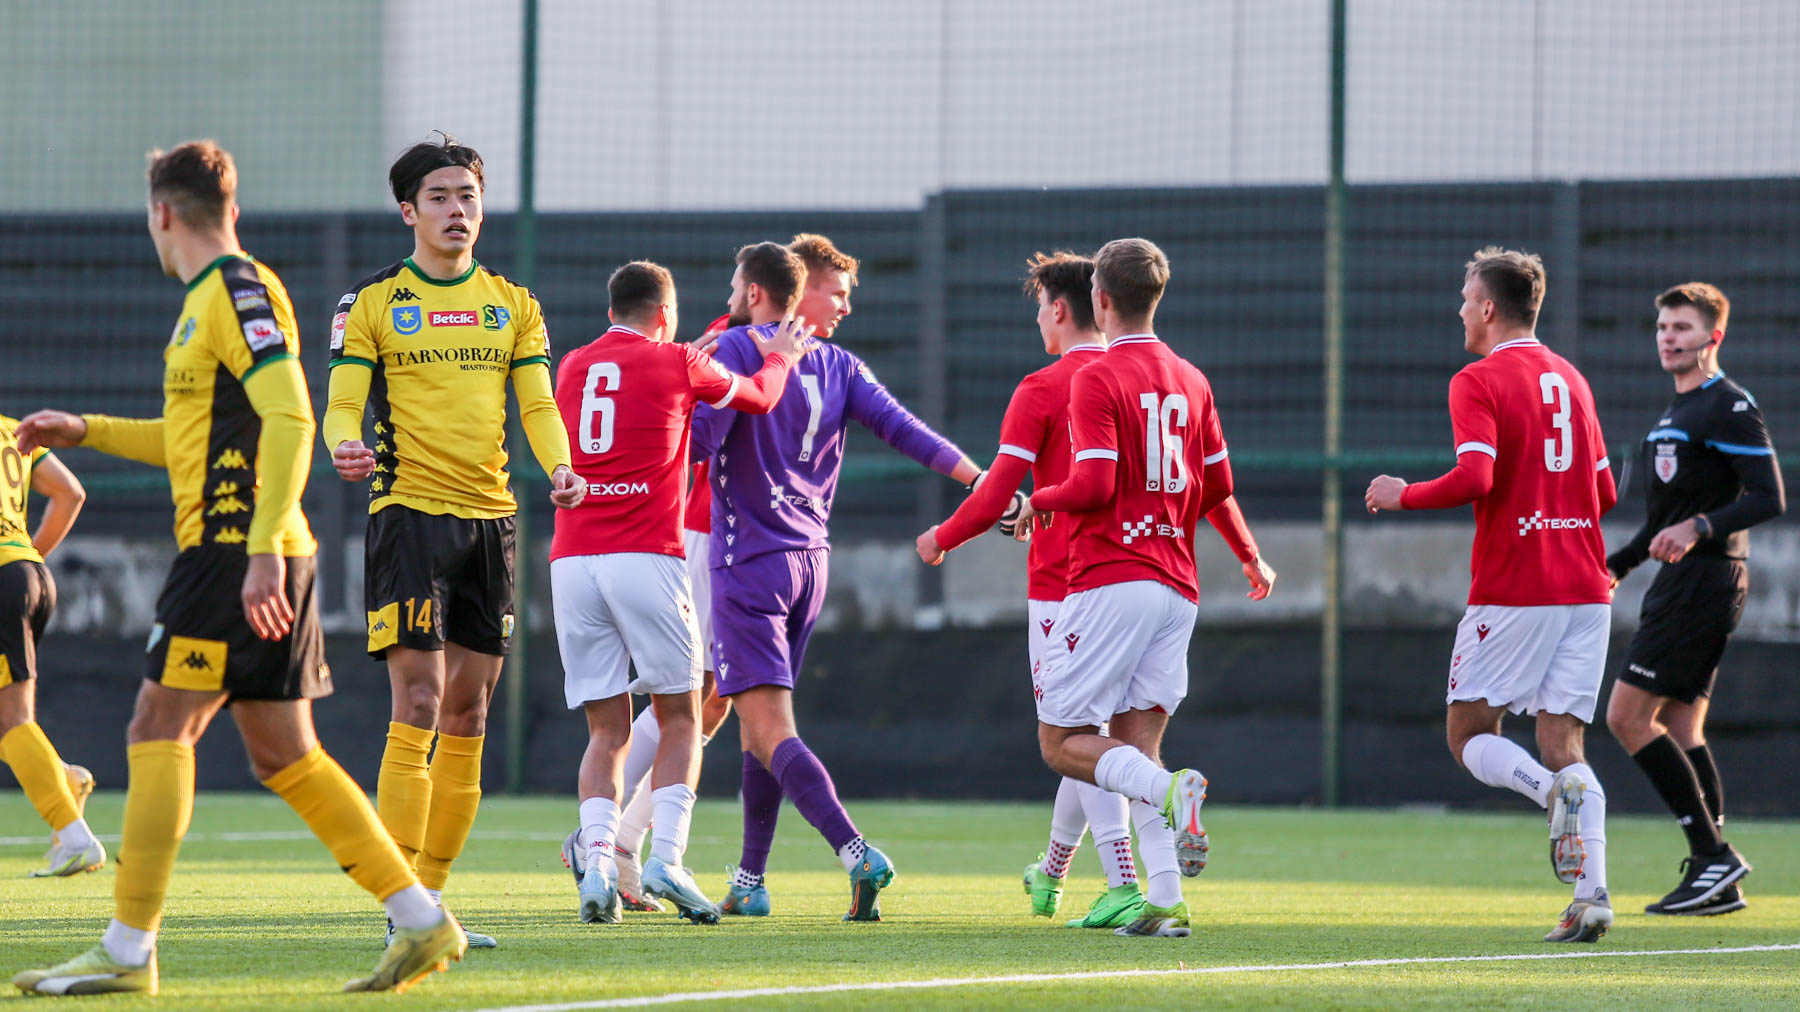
402	295
1047	623
1481	632
233	459
196	661
228	505
1071	639
407	319
1537	521
230	536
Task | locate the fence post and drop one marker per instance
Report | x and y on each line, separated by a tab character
519	662
934	394
1331	615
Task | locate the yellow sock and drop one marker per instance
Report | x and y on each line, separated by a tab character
403	790
339	814
159	801
40	771
455	795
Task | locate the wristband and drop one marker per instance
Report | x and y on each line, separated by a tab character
1703	528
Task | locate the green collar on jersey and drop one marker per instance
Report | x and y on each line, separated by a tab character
474	265
209	268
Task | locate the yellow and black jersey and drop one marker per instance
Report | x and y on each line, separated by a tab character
234	399
15	488
431	359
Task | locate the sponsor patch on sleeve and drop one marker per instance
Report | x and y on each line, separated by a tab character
338	323
262	333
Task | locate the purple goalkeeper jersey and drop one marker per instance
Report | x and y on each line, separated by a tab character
774	476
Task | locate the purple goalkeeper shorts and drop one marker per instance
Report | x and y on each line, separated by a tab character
763	614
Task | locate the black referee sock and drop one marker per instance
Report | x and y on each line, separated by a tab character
1673	777
1711	788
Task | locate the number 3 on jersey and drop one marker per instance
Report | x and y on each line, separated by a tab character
1165	468
1559	450
601	377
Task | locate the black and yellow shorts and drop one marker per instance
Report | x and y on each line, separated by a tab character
430	578
27	597
202	641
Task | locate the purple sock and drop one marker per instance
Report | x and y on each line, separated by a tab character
762	806
805	782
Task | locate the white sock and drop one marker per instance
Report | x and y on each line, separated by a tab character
852	853
634	822
1109	815
1156	842
1499	762
1593	834
646	735
1125	770
75	836
745	880
599	825
413	908
128	945
1068	823
436	896
674	806
1116	862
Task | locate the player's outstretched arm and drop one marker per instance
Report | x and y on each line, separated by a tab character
54	481
139	439
870	404
994	496
758	393
346	392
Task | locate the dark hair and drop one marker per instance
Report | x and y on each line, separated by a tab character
1066	276
638	287
1711	303
422	159
820	255
1514	281
774	267
198	179
1134	273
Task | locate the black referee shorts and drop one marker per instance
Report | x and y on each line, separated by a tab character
27	597
430	578
202	641
1687	617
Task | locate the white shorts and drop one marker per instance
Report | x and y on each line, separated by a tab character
1115	648
622	609
698	545
1546	659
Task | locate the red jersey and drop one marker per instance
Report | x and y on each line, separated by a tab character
1150	411
627	402
1036	431
1537	529
699	502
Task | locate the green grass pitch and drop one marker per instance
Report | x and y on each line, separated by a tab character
258	917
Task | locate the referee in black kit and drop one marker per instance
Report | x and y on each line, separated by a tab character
1710	475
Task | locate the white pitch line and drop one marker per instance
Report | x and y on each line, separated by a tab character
1041	978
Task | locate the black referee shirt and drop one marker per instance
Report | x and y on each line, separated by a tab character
1709	453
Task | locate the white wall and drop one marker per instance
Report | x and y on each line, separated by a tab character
694	104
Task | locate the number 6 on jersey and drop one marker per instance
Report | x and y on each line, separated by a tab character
592	405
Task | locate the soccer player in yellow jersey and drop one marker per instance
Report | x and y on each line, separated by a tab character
428	345
237	621
27	597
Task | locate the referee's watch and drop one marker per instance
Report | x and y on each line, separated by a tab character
1703	528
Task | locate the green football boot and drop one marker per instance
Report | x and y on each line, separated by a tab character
1159	922
1113	908
1044	889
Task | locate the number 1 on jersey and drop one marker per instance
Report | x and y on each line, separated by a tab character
815	407
1165	467
1559	450
597	408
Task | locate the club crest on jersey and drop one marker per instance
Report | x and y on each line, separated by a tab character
407	319
185	331
495	317
1666	462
